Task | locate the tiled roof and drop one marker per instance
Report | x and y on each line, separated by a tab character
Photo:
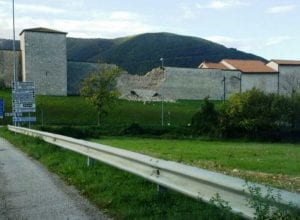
206	65
42	29
287	62
248	66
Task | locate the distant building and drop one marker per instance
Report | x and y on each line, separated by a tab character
252	74
289	77
44	60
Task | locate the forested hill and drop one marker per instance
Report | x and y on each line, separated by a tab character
139	54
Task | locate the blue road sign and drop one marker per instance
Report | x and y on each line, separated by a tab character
1	108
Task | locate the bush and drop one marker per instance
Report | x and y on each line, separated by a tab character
256	114
133	129
249	113
205	121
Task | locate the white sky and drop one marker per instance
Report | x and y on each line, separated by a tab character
268	28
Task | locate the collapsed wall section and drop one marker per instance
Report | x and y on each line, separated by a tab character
149	82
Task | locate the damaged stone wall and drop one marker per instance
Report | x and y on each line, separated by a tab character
173	83
149	82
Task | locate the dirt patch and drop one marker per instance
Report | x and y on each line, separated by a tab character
282	181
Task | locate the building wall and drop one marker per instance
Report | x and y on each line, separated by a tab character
289	80
189	83
45	59
7	67
264	82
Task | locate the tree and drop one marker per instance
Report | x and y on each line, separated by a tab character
99	89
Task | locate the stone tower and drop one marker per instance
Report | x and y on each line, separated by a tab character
44	60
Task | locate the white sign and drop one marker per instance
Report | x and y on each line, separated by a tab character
23	101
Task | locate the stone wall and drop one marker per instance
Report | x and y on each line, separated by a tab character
188	83
267	82
192	83
45	61
7	67
289	79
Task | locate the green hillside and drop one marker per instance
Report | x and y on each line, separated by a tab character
141	53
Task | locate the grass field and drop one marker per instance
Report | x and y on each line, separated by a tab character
119	194
74	110
272	163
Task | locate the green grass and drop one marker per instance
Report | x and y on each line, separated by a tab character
74	110
233	157
121	195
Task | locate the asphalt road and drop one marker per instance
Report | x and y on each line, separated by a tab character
29	191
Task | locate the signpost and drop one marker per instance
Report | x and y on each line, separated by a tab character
23	101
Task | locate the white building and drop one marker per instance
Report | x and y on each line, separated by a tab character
252	74
289	77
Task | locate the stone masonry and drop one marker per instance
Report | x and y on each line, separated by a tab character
44	59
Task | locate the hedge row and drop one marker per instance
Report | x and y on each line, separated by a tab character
250	114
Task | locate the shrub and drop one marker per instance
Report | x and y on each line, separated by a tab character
133	129
250	112
205	121
256	114
268	206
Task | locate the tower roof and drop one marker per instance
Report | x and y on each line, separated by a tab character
43	30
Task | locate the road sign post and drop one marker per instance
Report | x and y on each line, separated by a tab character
23	102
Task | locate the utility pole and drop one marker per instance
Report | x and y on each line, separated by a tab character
224	88
14	67
162	63
162	96
14	40
162	110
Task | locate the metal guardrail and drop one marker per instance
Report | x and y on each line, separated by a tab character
191	181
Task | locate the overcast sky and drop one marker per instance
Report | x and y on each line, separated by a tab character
268	28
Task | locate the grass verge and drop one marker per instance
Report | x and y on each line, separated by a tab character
120	194
74	111
275	164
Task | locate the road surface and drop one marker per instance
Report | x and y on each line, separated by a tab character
29	191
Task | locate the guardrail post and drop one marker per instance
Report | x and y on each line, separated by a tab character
90	161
